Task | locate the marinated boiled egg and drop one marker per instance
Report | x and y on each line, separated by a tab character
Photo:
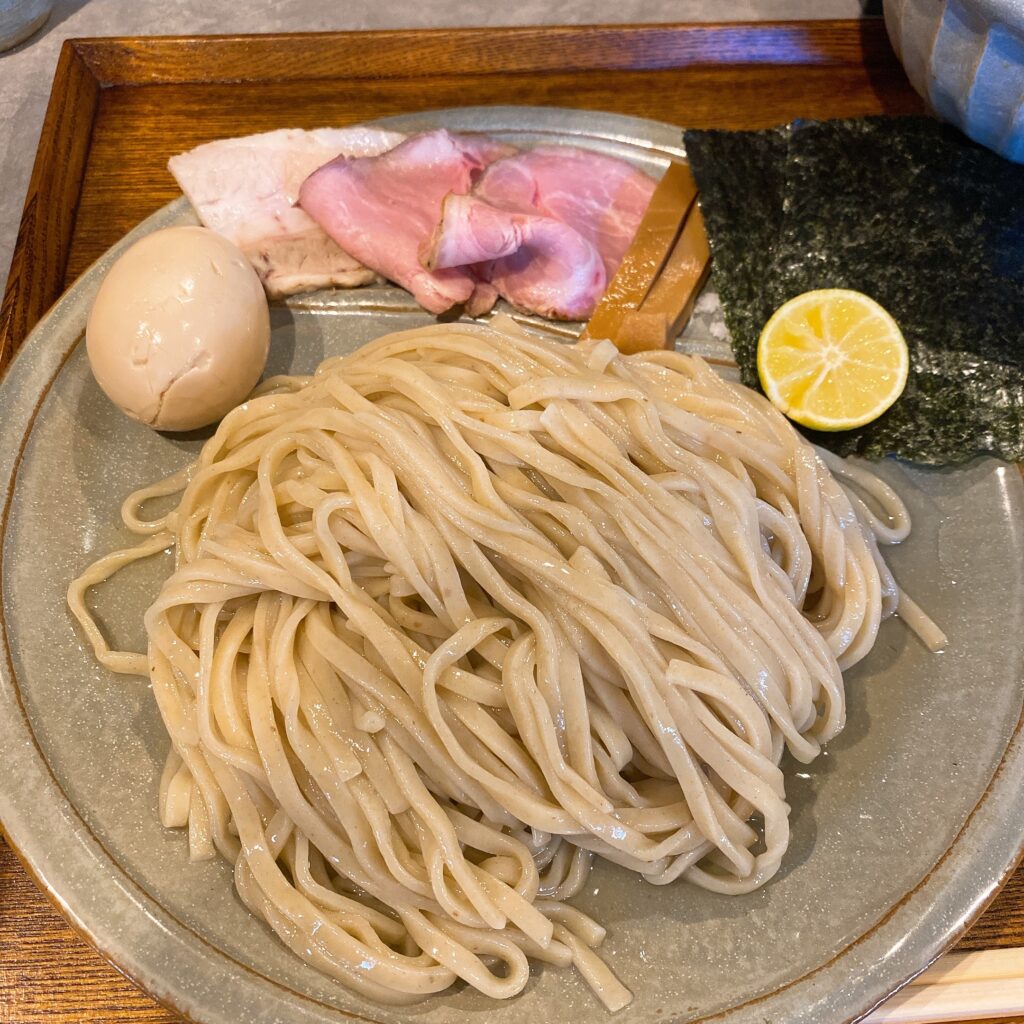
179	332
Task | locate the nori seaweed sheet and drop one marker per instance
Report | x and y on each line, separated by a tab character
743	233
908	211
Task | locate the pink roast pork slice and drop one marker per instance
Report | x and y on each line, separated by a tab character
384	209
245	189
602	197
537	263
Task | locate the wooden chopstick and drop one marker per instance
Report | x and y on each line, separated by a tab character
961	986
651	247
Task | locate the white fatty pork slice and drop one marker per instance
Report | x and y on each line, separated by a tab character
384	209
601	197
246	188
538	264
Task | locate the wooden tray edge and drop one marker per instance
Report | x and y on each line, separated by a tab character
36	277
87	66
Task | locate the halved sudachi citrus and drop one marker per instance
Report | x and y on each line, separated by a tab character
832	359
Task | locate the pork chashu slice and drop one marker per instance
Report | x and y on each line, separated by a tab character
385	209
246	189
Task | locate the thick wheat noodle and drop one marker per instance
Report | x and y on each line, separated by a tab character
466	608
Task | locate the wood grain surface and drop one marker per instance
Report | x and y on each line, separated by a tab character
40	257
120	107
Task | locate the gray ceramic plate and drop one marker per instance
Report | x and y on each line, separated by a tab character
902	831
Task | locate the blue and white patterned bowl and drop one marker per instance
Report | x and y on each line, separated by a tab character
20	18
966	58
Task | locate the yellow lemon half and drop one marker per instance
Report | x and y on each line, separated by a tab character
832	359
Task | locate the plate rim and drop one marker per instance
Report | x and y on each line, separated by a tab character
19	408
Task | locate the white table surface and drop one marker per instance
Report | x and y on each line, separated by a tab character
27	71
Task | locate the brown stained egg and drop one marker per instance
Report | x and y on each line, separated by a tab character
180	329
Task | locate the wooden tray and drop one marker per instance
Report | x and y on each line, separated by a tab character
120	107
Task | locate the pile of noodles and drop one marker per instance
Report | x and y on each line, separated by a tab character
465	609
